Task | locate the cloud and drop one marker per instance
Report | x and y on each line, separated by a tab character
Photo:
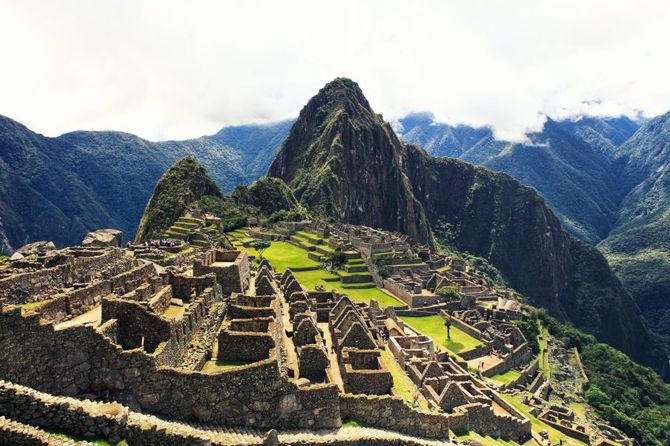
169	69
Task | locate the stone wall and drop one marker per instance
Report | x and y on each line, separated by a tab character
24	288
161	301
244	346
469	329
234	277
137	327
183	286
519	356
26	406
388	412
79	361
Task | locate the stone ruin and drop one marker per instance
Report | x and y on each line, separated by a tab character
217	341
361	366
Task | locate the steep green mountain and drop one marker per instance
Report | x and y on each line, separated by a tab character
185	182
61	188
187	185
39	198
270	198
639	246
344	162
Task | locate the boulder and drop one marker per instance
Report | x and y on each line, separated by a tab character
103	238
34	248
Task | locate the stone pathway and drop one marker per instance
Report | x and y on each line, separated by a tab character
332	356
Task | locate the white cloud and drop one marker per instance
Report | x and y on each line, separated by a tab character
168	69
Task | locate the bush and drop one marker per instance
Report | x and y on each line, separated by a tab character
448	292
336	259
260	246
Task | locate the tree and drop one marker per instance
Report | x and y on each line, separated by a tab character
448	292
260	246
448	324
337	258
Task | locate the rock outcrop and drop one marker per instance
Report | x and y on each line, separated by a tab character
103	238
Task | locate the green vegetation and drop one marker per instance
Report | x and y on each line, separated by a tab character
185	182
351	422
174	312
260	246
32	305
487	440
554	435
402	385
507	377
271	199
222	207
434	327
448	292
283	255
630	396
530	328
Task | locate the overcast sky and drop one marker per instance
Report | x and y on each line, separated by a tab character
174	70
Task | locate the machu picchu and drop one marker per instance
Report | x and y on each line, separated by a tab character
326	280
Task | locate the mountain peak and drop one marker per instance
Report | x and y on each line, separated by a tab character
183	183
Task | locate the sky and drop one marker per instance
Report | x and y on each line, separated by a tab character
176	70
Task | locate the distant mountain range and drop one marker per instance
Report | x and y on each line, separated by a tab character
606	179
60	188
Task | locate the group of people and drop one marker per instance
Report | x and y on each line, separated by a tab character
384	334
154	243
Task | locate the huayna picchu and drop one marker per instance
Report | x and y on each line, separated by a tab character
362	293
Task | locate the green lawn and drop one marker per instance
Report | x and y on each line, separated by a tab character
537	425
310	279
434	327
403	386
507	377
487	441
351	422
282	255
32	305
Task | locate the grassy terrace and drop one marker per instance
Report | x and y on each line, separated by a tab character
507	377
537	425
31	305
489	441
402	385
433	326
283	255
